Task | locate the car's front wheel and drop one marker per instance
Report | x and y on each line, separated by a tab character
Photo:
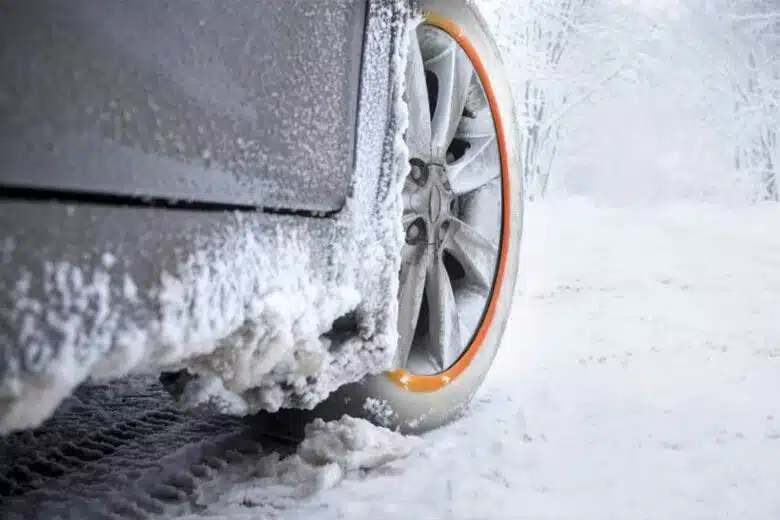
462	218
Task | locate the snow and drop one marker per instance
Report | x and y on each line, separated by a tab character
352	444
636	380
330	452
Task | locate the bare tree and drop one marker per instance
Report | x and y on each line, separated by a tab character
536	40
754	36
646	98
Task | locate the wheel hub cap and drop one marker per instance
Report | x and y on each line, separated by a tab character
431	205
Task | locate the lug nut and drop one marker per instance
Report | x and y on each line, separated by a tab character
413	233
416	172
419	172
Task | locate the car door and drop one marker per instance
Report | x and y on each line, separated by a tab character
240	104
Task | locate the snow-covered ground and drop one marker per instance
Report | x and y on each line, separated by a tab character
639	378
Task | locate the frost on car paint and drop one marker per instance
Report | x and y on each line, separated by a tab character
250	307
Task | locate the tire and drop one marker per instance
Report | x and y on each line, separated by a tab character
416	401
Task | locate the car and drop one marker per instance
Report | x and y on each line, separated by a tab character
310	205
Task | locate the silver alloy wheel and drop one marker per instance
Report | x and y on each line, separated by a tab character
452	205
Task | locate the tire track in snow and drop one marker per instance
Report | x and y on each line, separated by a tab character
123	451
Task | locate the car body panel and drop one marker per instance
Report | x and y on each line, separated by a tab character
247	104
102	287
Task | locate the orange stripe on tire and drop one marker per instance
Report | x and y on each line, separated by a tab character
432	383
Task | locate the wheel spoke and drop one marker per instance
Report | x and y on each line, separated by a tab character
475	253
481	125
408	217
470	172
410	292
444	339
454	73
418	135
